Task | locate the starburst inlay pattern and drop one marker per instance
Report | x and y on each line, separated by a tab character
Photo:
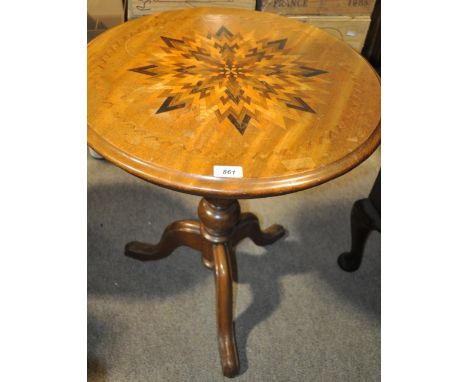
234	76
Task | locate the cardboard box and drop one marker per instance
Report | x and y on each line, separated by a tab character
319	7
102	15
352	30
138	8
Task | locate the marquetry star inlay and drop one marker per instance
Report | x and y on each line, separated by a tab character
234	76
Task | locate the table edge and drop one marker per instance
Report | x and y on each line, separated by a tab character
241	188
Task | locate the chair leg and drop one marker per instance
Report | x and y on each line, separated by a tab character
361	227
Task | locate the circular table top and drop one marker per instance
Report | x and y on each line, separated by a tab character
174	94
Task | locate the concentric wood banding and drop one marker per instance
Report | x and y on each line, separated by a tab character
173	94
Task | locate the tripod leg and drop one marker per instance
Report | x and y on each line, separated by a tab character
248	226
224	309
184	232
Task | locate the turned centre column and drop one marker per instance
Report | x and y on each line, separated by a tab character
218	217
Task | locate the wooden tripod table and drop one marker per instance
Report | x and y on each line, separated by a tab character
228	104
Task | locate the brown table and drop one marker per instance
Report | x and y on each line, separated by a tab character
279	105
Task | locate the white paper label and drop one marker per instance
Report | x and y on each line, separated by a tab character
227	171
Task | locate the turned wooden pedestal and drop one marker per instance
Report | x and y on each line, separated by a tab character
220	228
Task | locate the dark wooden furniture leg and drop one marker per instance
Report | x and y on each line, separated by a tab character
365	218
249	226
224	309
184	232
220	228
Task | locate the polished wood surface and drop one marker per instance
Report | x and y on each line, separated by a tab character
173	94
220	229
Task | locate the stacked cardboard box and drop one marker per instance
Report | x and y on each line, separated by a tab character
102	15
347	20
138	8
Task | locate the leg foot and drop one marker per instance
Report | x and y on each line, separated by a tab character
349	262
224	311
249	226
361	227
185	232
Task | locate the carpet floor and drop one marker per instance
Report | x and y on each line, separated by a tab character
298	317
